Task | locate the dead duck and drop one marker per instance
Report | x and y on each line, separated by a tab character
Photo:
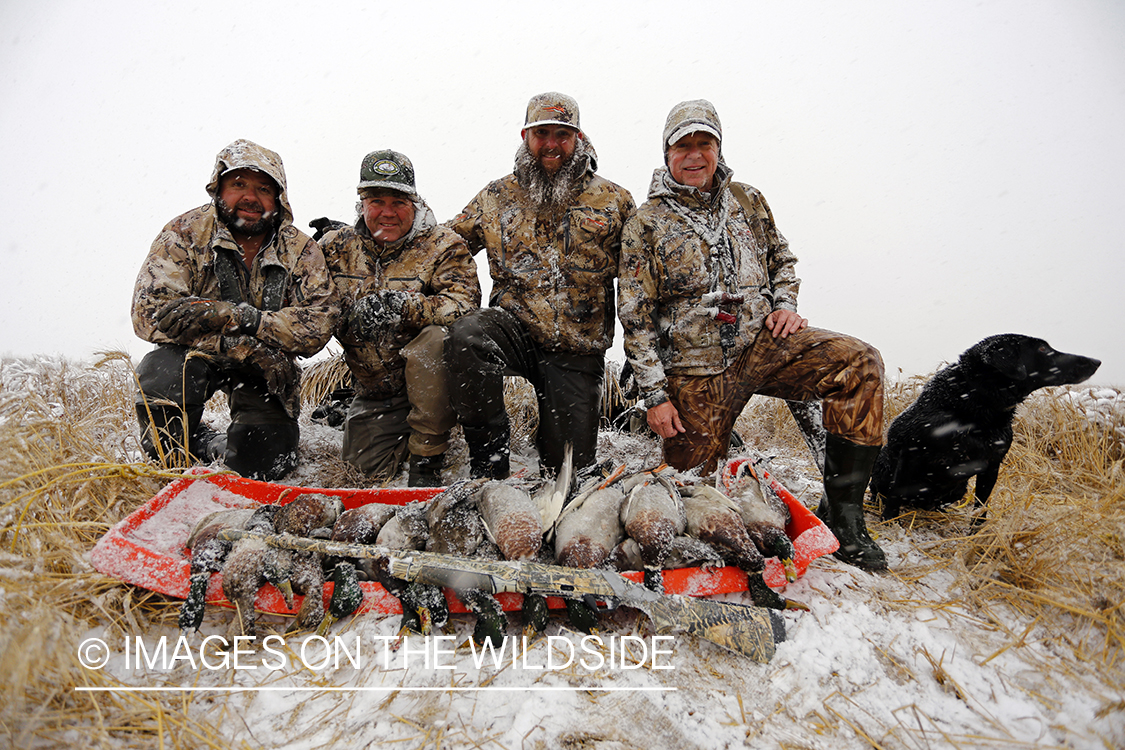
423	606
453	520
516	517
512	521
407	529
308	515
347	595
249	566
765	514
208	553
457	527
687	552
714	518
359	525
587	531
653	515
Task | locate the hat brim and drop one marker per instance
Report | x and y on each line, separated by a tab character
693	127
570	125
398	187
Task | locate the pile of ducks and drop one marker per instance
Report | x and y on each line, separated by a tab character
648	521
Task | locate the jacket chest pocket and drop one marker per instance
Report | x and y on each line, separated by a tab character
519	254
405	283
750	252
588	233
686	272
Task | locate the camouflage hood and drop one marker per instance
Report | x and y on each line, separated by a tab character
244	154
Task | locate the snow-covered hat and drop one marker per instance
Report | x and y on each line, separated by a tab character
387	169
552	108
692	116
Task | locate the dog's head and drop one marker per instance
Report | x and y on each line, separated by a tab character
1030	363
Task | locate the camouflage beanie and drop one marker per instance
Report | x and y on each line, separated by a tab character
693	116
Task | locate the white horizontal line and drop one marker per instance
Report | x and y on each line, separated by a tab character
401	689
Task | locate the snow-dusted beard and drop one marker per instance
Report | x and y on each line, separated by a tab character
551	193
263	225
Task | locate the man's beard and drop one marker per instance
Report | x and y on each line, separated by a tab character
551	193
267	223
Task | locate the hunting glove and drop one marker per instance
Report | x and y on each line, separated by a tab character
188	318
281	372
374	314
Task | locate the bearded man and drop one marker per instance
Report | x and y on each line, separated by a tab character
231	293
401	279
552	230
708	298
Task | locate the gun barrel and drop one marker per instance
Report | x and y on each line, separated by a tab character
752	631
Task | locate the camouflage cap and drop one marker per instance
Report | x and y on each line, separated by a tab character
387	169
552	108
692	116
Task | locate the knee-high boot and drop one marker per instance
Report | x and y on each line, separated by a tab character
847	470
167	424
488	452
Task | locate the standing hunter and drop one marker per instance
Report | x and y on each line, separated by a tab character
708	299
401	278
552	230
231	293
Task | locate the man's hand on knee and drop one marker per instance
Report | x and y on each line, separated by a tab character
781	323
665	420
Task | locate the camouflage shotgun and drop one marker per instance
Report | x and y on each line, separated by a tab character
750	631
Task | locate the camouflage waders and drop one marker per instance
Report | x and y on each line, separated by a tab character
843	372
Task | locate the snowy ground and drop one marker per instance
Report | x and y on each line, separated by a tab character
878	661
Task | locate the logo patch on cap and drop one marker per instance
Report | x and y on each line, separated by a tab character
385	167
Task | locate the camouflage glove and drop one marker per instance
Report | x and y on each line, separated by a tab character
188	318
375	313
281	373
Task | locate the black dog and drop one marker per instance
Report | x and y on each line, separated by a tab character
961	424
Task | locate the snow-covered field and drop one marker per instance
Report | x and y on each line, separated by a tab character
878	661
900	660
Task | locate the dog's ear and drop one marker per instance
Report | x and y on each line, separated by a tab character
1006	356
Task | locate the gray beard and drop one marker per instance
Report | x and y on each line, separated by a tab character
551	193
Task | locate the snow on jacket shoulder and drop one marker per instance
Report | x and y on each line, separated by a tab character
433	266
555	275
667	268
181	263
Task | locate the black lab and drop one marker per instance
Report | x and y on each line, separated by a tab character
961	424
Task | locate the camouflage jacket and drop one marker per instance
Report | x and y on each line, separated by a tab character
431	263
288	281
555	275
667	267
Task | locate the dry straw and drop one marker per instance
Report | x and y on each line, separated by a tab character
1053	548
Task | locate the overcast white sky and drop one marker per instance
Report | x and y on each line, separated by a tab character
944	170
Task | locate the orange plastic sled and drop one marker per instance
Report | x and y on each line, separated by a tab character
147	548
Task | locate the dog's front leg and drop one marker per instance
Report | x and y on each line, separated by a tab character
986	481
